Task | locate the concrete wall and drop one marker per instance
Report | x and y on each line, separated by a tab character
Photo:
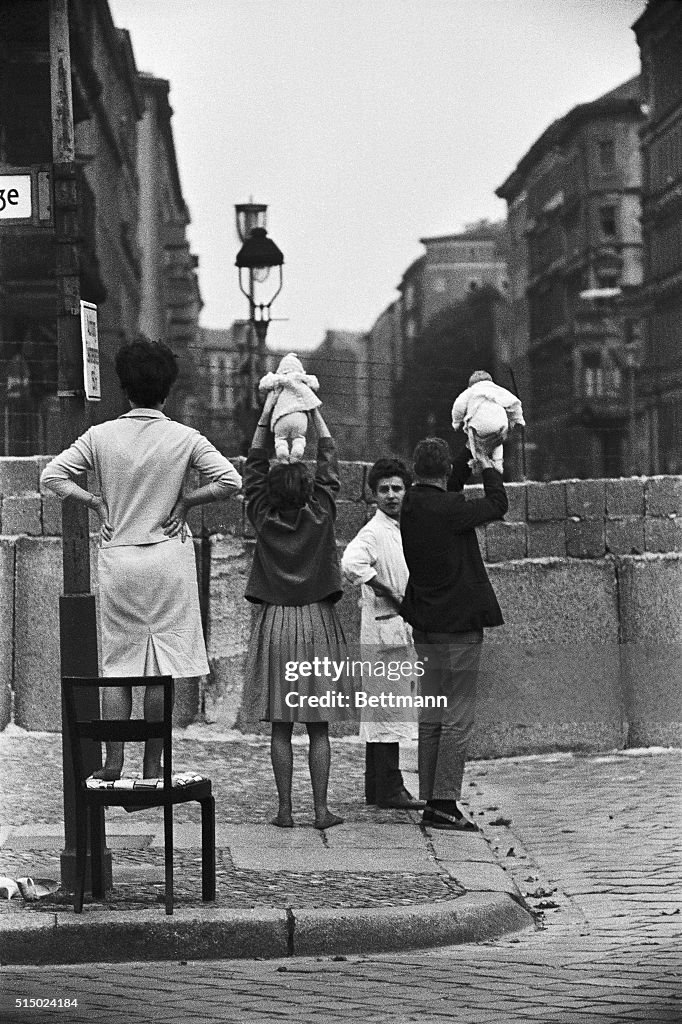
588	574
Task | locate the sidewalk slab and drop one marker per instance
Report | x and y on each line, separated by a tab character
480	877
269	858
460	846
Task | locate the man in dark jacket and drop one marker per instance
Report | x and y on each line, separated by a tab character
448	602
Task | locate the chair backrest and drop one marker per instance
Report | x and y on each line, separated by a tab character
84	727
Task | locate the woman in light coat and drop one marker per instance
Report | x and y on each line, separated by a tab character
149	598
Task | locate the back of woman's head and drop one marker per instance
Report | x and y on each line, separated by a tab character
290	485
146	370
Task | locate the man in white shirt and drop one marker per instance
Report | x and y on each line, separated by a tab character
374	559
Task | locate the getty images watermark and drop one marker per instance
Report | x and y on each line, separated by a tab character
349	673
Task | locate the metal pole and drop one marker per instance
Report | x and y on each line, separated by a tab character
77	621
632	415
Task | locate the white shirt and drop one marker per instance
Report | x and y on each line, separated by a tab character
140	461
377	550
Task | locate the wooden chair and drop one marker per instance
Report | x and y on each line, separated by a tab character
89	802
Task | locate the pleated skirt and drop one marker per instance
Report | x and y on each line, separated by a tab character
283	639
149	611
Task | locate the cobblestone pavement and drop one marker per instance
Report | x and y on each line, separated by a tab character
595	843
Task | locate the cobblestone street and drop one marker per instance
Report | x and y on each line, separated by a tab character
593	842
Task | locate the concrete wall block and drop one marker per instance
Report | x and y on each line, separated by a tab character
625	535
550	677
22	515
585	538
651	625
505	541
663	534
352	476
19	475
517	496
52	515
625	496
36	657
547	540
229	626
586	499
556	601
224	517
7	552
546	501
351	516
663	495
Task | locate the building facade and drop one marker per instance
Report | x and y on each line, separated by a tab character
659	34
340	364
574	208
385	367
135	263
452	267
170	296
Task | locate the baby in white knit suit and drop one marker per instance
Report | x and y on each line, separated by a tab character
487	412
294	390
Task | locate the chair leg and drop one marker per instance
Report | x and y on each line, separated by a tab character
208	849
96	816
81	857
168	851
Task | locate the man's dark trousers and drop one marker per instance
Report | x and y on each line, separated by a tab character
451	663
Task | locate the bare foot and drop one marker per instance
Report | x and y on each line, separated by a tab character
108	774
283	821
328	820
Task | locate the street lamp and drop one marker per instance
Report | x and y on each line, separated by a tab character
256	261
257	257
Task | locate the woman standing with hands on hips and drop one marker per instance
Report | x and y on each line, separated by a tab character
149	597
296	580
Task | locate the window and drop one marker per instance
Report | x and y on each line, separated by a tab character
593	375
607	155
607	221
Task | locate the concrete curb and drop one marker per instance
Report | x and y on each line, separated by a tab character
218	934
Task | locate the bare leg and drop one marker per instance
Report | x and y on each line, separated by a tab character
319	762
117	702
282	757
153	749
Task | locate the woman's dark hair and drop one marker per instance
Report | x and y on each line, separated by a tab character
383	468
290	485
147	370
432	458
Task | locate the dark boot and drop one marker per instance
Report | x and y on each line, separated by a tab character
390	787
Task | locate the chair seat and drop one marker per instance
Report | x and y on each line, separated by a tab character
136	782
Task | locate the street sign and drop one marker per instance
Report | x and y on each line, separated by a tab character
90	340
15	197
25	198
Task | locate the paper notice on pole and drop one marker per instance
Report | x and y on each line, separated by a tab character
90	340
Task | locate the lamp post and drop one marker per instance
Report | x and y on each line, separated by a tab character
256	260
